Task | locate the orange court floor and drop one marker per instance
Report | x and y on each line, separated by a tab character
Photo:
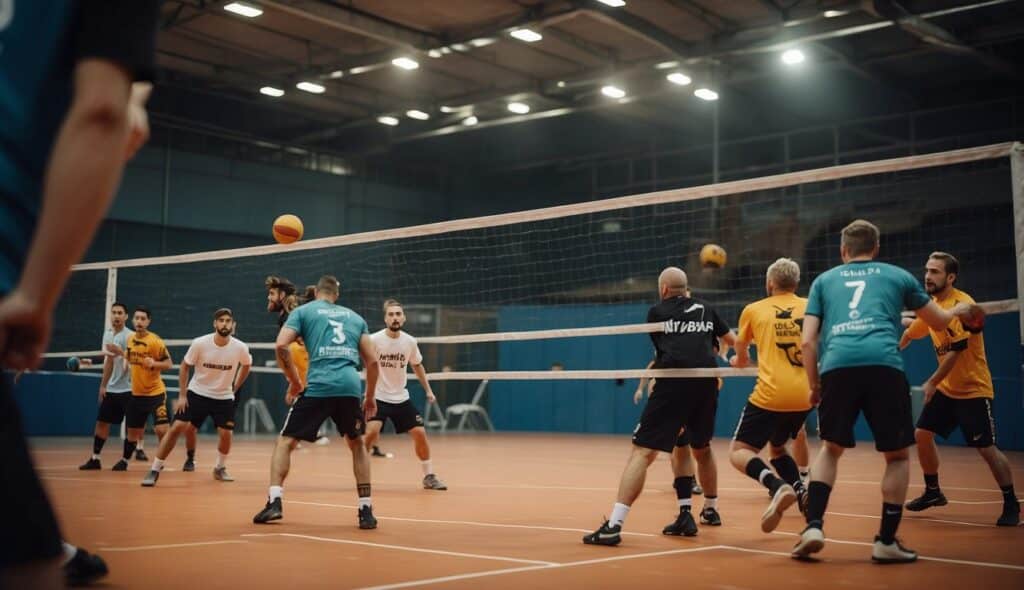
513	516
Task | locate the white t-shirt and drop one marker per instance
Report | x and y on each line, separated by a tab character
215	366
120	375
395	355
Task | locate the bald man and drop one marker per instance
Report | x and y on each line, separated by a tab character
689	330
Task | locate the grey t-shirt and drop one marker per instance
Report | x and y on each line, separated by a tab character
120	375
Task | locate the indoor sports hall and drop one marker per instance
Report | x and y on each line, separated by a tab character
521	179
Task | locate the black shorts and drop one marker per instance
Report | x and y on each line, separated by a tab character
30	531
673	405
307	414
201	407
882	393
141	406
972	415
758	427
403	415
114	407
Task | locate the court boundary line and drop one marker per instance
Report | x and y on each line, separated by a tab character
171	546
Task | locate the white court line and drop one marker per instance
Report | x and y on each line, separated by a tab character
468	522
1007	566
171	546
982	502
918	485
404	548
917	519
133	482
441	580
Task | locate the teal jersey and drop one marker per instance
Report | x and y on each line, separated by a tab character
860	305
332	335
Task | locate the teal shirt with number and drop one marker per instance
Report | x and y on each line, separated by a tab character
332	335
859	304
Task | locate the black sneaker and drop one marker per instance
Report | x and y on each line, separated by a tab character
926	500
121	465
90	465
684	525
606	535
366	518
84	568
189	465
272	511
376	452
140	455
709	516
1010	515
801	500
150	479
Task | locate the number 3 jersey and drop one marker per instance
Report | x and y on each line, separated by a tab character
774	326
859	304
332	335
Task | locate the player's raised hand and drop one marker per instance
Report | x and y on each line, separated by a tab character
24	331
971	315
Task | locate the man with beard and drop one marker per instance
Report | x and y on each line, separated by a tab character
211	392
959	393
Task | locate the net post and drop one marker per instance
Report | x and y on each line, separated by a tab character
111	295
1017	173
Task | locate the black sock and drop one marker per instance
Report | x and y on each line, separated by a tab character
786	467
97	444
817	501
129	449
191	454
684	489
931	481
1009	496
363	489
891	515
755	467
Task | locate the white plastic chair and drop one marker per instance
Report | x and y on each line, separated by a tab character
256	409
464	411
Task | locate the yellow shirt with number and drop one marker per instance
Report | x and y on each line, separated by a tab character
774	326
970	376
300	356
146	382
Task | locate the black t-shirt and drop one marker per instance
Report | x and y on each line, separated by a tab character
689	333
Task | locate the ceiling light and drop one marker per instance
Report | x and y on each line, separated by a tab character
482	41
519	108
613	3
311	87
271	91
705	94
406	63
470	120
388	120
244	9
460	47
526	35
678	78
561	83
435	53
418	115
613	92
834	13
666	65
791	57
336	74
448	109
361	70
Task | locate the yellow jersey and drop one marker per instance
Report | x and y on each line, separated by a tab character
146	382
774	326
300	356
970	376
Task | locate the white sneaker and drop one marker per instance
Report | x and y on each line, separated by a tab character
894	552
783	498
812	540
323	440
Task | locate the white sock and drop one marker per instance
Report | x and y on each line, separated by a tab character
710	502
95	456
365	502
69	552
276	492
685	502
138	445
803	470
158	464
619	512
221	459
427	467
764	473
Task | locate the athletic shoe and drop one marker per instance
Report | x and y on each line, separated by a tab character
90	465
84	568
801	500
683	525
121	465
376	452
606	535
894	552
1010	515
709	516
783	498
366	519
140	455
150	479
221	474
189	465
812	540
697	490
323	440
926	500
272	511
431	482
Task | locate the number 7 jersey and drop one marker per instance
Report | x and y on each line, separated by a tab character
859	304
